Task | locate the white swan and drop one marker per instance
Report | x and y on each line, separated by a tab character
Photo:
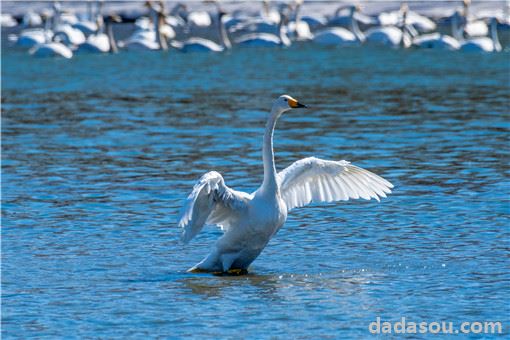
51	49
418	21
472	26
267	22
483	44
62	27
31	19
391	36
314	21
249	221
32	36
437	41
197	44
149	40
7	20
69	35
266	39
343	16
339	36
93	20
298	29
101	42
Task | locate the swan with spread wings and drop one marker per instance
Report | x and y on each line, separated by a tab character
250	220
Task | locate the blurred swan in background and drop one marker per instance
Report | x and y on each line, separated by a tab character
391	35
298	29
262	39
421	23
49	47
339	36
92	21
62	27
198	44
343	17
7	20
149	39
472	26
31	19
249	221
30	37
436	40
480	44
102	42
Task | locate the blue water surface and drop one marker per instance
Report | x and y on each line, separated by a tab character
99	152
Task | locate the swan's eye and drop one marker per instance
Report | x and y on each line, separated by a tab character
285	99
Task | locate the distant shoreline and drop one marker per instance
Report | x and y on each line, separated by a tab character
134	9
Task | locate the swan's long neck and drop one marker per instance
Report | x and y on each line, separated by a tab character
355	28
225	41
339	9
282	34
494	35
47	29
160	37
111	38
457	28
269	184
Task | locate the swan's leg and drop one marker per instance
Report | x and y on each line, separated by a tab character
227	260
209	264
237	271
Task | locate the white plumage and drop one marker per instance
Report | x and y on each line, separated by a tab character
316	180
250	220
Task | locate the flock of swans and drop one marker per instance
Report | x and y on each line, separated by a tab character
64	34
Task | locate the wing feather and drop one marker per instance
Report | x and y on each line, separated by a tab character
316	180
211	202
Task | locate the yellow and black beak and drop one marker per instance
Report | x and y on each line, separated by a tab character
295	104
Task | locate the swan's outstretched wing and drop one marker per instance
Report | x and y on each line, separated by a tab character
316	180
211	202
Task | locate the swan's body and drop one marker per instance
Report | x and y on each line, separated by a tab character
314	21
259	40
340	36
149	40
386	36
479	44
483	44
394	36
199	19
250	220
101	42
96	43
418	21
33	36
337	36
31	19
7	20
51	49
436	41
198	44
265	39
69	35
344	14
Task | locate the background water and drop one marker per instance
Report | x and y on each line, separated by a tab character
99	153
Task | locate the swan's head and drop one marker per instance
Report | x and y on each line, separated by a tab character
285	103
